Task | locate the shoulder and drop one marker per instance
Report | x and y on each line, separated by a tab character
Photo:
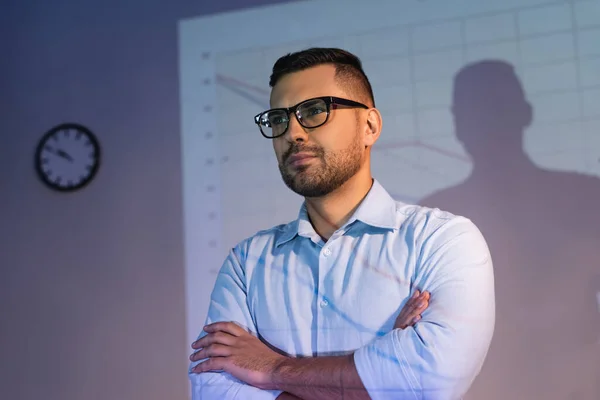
432	228
264	239
429	220
449	250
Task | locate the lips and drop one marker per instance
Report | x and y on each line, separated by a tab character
299	158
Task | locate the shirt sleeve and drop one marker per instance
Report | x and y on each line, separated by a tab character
227	303
442	354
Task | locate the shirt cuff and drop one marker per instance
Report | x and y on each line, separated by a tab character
223	386
384	371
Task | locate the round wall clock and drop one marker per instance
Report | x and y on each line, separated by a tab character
67	157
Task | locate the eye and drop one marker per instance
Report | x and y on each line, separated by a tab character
314	110
278	120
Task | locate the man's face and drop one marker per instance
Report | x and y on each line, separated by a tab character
315	162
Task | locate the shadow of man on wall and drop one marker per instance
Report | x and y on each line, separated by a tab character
543	229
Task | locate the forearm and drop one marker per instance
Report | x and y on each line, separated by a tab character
318	378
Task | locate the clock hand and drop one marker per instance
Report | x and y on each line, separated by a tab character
64	155
59	152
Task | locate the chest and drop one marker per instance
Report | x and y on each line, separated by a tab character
330	298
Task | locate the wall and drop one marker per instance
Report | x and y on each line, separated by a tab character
91	283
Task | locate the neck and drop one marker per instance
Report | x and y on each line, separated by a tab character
330	212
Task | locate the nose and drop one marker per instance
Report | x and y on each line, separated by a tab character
295	131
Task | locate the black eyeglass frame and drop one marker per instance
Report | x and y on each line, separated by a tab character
329	101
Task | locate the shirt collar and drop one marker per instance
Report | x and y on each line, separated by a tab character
378	209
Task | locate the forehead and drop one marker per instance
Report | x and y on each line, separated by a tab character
298	86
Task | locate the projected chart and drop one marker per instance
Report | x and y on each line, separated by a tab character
411	51
553	48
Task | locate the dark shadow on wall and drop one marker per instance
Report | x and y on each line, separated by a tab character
543	229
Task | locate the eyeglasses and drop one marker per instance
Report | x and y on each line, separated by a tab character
310	113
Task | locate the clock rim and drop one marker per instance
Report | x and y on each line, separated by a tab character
44	139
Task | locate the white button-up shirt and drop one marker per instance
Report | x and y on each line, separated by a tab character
308	297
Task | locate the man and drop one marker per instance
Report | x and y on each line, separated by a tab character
308	309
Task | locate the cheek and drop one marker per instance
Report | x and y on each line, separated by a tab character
278	148
329	138
341	140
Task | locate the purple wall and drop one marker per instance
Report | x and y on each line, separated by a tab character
91	283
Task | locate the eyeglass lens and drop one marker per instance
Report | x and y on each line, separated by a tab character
310	114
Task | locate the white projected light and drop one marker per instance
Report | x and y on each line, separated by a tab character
411	51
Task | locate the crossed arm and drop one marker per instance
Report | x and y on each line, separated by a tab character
231	348
436	359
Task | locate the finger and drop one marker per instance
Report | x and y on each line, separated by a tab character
216	364
421	303
424	295
402	323
212	338
228	327
408	322
424	299
420	298
214	350
202	342
408	313
421	306
404	318
411	308
411	303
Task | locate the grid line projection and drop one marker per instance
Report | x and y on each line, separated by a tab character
553	47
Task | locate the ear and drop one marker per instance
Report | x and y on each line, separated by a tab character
372	128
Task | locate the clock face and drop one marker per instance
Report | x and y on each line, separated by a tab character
67	157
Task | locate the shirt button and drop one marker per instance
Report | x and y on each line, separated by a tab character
324	303
327	252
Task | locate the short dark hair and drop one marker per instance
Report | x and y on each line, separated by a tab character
348	69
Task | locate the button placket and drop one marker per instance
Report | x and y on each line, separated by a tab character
325	261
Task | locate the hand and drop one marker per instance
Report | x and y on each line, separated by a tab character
411	312
232	349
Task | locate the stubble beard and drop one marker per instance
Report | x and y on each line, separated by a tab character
325	174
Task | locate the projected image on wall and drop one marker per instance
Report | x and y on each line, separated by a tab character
491	110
